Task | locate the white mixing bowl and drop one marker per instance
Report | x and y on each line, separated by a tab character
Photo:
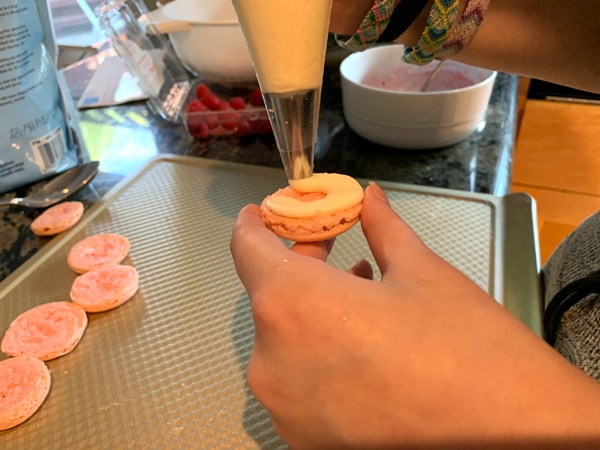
207	37
382	102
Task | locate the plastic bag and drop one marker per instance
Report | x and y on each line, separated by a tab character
38	136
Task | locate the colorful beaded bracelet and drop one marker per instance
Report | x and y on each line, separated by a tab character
438	25
467	27
440	39
374	23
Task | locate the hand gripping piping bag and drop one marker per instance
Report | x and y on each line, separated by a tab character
38	134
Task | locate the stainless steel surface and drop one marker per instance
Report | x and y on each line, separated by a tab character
166	370
58	188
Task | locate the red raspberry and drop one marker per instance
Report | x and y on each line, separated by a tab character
202	90
263	127
237	103
200	130
256	98
212	101
230	118
198	113
244	129
211	119
196	105
195	113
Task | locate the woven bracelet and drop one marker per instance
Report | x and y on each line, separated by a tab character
403	17
374	23
439	23
467	27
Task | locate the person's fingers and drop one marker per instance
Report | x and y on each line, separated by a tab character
319	250
395	246
362	269
257	252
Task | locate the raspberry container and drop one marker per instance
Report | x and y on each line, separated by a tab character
214	110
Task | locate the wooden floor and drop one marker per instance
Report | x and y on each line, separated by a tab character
557	161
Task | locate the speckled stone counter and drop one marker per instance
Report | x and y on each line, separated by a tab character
124	137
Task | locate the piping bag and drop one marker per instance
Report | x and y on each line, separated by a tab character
287	40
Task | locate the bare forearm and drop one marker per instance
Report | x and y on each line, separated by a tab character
346	16
552	40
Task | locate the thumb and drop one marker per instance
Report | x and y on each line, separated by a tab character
397	249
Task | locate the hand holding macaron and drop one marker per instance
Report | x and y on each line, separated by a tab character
420	358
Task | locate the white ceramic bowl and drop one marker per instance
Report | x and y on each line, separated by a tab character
382	102
207	37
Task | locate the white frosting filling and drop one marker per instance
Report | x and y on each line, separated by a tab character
287	40
341	192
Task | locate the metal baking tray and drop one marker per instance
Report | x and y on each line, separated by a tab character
166	369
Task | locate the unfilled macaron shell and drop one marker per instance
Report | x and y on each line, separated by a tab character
46	331
57	218
98	251
105	288
24	385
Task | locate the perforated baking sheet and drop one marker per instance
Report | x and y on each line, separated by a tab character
166	369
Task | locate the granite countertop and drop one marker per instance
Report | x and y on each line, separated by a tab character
124	137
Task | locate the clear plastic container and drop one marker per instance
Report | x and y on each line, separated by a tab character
214	110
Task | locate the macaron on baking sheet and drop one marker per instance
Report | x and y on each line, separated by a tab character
166	369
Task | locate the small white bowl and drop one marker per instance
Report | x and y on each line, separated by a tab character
382	102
